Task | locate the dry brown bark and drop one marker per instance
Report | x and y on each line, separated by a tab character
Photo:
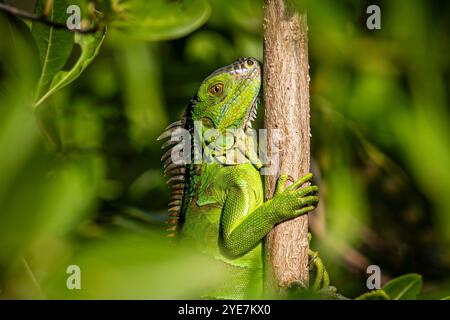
286	98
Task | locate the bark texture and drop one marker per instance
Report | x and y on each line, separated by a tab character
286	98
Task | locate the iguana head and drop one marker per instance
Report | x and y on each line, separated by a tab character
227	98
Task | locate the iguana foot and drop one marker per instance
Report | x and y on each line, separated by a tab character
294	200
322	280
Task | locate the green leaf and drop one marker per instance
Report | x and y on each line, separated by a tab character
374	295
406	287
54	45
159	19
141	85
446	298
135	265
90	45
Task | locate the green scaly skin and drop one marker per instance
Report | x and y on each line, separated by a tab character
222	209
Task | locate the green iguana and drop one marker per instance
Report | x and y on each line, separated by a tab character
217	205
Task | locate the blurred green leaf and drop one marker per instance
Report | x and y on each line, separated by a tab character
428	156
348	210
144	106
41	195
90	45
405	287
54	45
159	19
135	265
238	15
209	47
19	136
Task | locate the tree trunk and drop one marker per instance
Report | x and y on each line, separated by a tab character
286	98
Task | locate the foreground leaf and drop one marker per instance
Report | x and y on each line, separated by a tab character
54	45
406	287
133	265
90	45
159	19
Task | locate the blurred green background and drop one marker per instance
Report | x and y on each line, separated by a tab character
80	177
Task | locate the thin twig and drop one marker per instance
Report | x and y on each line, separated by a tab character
32	277
42	19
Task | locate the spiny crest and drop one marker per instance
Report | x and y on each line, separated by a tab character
176	172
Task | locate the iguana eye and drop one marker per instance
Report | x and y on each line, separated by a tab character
216	89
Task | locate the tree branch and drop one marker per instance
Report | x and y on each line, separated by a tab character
286	97
42	19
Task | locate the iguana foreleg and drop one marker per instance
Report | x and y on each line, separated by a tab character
242	230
